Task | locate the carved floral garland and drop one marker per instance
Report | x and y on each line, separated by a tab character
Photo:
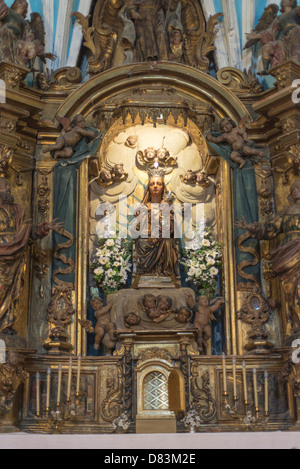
202	258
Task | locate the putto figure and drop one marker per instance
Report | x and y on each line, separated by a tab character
75	130
103	327
204	316
238	140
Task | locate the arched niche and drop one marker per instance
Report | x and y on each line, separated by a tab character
189	93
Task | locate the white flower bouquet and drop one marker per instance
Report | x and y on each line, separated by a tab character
121	424
192	420
202	257
111	264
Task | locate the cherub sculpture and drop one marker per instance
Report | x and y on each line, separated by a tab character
157	308
183	315
104	325
131	319
75	130
119	173
199	178
204	316
151	157
238	140
108	177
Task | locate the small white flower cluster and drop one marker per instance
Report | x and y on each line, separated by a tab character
203	260
111	264
192	419
121	423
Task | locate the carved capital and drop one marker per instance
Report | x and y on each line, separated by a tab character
13	75
285	73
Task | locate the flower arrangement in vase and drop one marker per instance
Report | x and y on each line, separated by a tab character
202	258
111	264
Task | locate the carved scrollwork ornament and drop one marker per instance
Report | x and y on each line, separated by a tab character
59	317
294	159
155	353
66	78
12	374
6	156
203	401
256	311
238	81
112	404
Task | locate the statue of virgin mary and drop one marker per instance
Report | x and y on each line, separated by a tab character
157	255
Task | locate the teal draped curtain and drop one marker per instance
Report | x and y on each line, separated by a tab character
65	199
245	202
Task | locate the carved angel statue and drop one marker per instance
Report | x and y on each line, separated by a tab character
75	130
104	329
278	35
237	139
17	42
128	31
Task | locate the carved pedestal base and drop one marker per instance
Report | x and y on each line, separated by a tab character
259	345
58	344
156	425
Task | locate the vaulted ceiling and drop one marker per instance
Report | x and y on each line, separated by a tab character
64	37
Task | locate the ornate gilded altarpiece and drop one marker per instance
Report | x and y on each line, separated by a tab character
149	373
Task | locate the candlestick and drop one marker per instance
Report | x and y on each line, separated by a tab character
234	379
224	376
48	390
78	375
245	383
59	386
266	394
38	403
69	381
255	390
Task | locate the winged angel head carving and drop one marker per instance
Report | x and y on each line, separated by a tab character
279	35
131	31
